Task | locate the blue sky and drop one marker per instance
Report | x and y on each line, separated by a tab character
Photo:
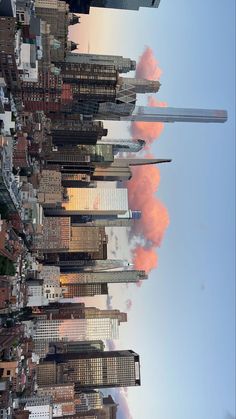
182	320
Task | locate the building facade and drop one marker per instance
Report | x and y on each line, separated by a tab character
91	370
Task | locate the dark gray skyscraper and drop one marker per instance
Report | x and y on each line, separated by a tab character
91	370
121	64
82	6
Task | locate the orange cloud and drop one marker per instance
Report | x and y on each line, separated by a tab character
145	258
145	180
155	219
148	67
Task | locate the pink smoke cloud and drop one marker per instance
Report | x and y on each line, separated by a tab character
148	67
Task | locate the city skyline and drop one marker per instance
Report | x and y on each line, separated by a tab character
191	69
117	272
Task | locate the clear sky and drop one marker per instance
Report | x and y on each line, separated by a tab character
182	320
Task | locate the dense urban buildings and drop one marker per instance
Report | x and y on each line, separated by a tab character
57	218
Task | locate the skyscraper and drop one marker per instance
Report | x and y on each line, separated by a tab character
102	277
80	6
120	169
94	201
124	220
74	131
124	145
121	64
75	346
76	329
59	236
141	85
73	326
158	114
91	370
84	290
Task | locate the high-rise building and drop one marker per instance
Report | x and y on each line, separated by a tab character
158	114
119	169
55	236
124	145
97	265
88	400
102	277
58	236
125	220
76	180
141	85
76	329
50	189
74	132
80	6
79	159
56	14
84	290
121	64
71	327
94	201
91	370
43	95
76	347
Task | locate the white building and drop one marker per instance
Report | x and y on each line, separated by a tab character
99	201
36	295
39	407
76	329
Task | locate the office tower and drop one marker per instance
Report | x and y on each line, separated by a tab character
124	145
88	400
119	169
50	188
141	85
56	14
79	159
76	180
58	236
80	6
76	329
43	95
85	86
70	329
55	235
126	220
96	265
94	201
157	114
65	311
121	64
102	277
76	347
84	290
73	259
91	370
74	132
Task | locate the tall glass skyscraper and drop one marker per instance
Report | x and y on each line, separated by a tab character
91	370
